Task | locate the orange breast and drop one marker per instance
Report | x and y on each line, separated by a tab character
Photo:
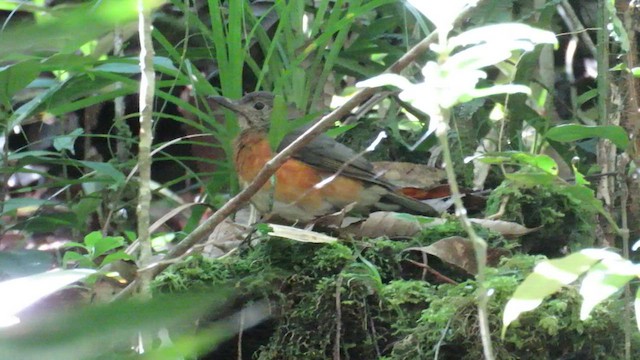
295	182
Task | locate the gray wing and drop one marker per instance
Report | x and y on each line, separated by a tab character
327	154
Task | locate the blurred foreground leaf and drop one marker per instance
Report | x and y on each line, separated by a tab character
22	292
111	330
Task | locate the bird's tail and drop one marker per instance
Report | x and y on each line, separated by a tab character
401	203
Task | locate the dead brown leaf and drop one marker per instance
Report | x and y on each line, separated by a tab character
455	250
508	229
391	224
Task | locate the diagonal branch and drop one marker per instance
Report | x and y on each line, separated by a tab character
270	168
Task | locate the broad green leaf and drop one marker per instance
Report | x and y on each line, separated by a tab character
108	243
131	65
75	334
91	239
72	257
68	28
586	96
49	222
98	244
587	197
16	77
33	153
19	203
66	142
605	279
120	255
27	290
108	170
547	278
542	162
574	132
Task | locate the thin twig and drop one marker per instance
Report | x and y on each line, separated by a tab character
336	343
428	269
575	26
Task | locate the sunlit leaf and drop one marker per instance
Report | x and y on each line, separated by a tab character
574	132
386	79
106	330
68	28
504	33
603	280
547	278
442	17
27	290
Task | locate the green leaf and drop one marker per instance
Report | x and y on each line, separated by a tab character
91	239
74	334
74	257
339	130
279	122
108	170
120	255
67	28
66	142
99	245
542	162
605	279
108	243
19	203
574	132
131	65
547	278
586	96
16	77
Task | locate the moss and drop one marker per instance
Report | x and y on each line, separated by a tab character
388	311
449	325
564	220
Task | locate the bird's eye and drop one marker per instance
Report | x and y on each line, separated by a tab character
258	105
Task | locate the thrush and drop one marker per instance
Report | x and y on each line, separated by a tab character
323	177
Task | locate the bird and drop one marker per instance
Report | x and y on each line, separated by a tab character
322	178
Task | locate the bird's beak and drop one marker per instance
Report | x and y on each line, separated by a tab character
225	102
